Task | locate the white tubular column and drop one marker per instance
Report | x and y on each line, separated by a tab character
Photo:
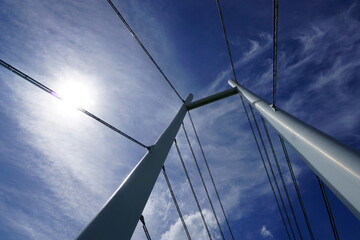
120	215
336	164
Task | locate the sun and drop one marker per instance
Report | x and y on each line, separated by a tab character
74	94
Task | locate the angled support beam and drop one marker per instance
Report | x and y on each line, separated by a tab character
212	98
120	215
335	163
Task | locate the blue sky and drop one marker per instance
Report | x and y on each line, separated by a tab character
58	167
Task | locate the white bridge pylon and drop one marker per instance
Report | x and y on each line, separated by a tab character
120	215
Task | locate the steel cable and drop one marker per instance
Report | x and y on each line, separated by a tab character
282	178
176	203
211	177
226	38
275	48
328	209
192	189
143	47
297	188
272	172
144	227
56	95
266	170
202	180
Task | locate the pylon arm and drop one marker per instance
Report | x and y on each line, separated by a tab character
120	215
335	163
213	98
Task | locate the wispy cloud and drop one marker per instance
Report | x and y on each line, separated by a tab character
255	49
265	232
328	65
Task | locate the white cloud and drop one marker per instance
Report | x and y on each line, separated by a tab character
195	226
254	50
265	232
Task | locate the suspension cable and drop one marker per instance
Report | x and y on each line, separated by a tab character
272	172
275	48
192	189
212	179
56	95
226	38
328	209
297	189
281	177
176	203
202	180
143	47
144	227
266	170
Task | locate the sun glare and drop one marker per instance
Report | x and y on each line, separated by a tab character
74	95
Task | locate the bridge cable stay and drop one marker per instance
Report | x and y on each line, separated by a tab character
296	188
266	170
281	177
328	209
144	48
233	68
192	189
202	179
56	95
272	172
275	47
144	227
275	60
226	38
211	177
275	50
176	203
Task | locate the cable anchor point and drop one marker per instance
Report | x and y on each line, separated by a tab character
273	107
